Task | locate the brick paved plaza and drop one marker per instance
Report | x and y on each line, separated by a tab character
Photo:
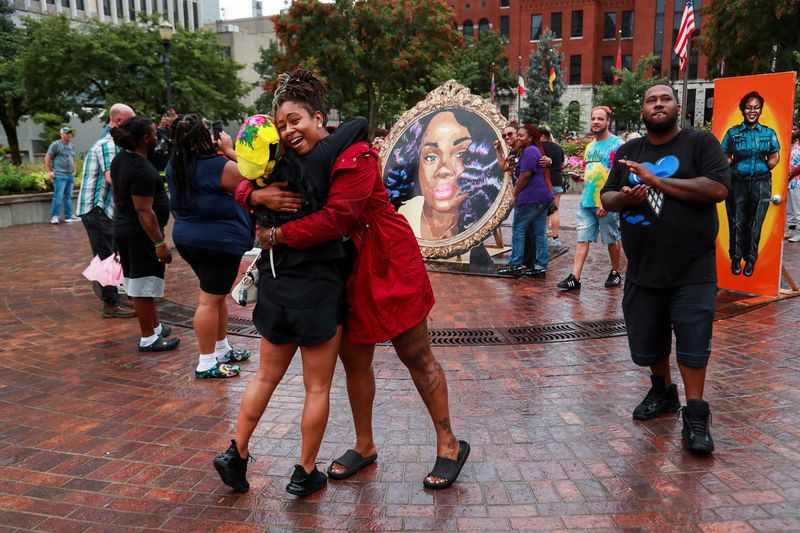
98	437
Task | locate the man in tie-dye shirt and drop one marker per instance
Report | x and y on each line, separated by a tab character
793	200
592	218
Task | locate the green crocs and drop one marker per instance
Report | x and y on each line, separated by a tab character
235	356
220	370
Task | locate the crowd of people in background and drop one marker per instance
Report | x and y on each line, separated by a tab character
335	298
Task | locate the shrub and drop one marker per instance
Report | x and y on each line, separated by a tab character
30	177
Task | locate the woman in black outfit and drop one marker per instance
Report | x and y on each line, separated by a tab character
141	211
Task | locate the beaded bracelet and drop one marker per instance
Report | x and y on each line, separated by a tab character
273	238
160	243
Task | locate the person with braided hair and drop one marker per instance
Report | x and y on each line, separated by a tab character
389	294
211	233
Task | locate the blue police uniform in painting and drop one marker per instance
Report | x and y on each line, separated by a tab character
751	187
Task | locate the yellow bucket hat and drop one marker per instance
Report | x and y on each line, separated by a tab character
258	148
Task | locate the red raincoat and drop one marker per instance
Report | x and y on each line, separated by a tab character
388	291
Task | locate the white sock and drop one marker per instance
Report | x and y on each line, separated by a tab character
158	329
147	341
222	347
206	361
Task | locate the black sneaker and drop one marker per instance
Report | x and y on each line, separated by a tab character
232	468
570	283
535	272
511	270
697	426
659	399
303	483
613	279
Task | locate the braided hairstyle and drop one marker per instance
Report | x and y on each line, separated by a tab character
190	139
302	87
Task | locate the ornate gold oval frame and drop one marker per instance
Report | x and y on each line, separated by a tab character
449	95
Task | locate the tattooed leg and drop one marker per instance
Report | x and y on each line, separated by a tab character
414	350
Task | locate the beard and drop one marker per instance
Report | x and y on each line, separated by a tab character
660	127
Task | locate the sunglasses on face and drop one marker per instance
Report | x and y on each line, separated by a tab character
508	135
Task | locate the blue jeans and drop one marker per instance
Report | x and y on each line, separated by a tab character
63	191
533	216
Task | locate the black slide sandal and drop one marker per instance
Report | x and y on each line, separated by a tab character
352	461
448	469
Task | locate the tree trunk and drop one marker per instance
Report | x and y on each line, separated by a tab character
10	127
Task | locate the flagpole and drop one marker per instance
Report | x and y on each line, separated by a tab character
519	96
685	89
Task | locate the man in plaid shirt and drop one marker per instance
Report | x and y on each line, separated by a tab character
96	205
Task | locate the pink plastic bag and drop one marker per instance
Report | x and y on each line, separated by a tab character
107	272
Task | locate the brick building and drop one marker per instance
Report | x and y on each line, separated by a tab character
589	32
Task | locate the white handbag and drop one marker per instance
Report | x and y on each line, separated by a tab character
246	291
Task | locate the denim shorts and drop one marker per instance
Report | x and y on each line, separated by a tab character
558	189
589	225
651	316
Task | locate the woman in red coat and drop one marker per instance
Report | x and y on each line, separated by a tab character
389	294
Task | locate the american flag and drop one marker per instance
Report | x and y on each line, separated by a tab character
684	33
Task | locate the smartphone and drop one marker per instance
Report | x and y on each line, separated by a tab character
216	129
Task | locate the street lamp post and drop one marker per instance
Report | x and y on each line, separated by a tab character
165	31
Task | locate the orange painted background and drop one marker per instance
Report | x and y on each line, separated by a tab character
778	92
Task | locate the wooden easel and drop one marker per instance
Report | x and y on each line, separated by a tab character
498	242
783	294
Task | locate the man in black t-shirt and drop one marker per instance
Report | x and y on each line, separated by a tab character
666	186
554	159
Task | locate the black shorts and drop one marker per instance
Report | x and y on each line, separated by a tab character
652	314
304	326
216	271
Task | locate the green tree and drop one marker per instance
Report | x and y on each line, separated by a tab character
12	95
377	57
473	64
748	34
105	63
540	102
625	98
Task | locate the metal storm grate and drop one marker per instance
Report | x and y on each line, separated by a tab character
181	315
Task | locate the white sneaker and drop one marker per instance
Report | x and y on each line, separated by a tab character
73	218
54	220
795	237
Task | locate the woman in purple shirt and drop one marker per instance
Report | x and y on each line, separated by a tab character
532	196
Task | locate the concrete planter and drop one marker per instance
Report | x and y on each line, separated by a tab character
19	209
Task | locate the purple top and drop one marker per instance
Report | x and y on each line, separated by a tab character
537	190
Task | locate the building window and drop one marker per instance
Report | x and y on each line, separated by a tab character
536	27
132	9
610	26
658	37
608	64
120	10
196	16
575	70
64	3
165	7
483	26
107	8
627	25
576	24
556	24
185	13
153	6
504	26
80	5
469	29
505	3
627	62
